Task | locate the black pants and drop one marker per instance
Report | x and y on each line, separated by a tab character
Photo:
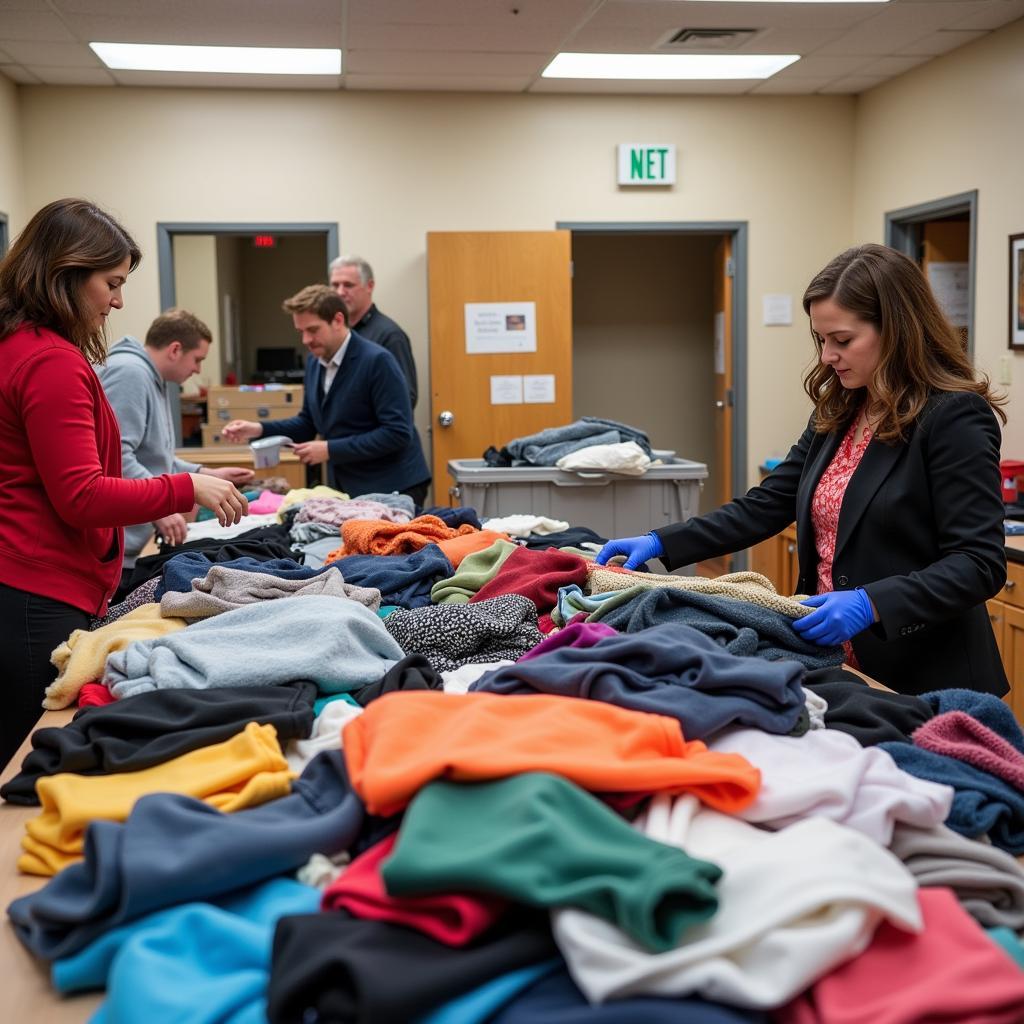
30	628
417	492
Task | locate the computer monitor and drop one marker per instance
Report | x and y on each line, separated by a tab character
276	360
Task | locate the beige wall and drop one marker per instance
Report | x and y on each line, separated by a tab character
950	126
195	289
11	173
389	167
642	302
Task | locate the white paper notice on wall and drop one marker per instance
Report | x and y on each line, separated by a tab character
501	327
951	283
720	343
538	388
506	389
778	310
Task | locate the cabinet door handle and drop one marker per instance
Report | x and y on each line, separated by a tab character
1010	584
791	548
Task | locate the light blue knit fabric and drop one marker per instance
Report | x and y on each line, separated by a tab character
338	644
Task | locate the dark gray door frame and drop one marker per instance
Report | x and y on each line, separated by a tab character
738	229
902	232
165	232
4	236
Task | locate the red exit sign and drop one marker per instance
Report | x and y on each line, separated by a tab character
263	241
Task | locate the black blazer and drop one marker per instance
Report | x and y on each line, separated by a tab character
366	419
920	529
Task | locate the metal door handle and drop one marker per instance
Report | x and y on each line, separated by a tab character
446	418
719	404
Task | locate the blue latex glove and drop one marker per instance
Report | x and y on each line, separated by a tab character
636	549
837	617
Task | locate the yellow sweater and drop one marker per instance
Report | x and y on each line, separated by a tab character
81	658
246	770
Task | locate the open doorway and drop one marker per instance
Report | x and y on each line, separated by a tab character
659	341
940	237
234	277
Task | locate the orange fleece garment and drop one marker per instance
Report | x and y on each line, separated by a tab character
402	741
379	537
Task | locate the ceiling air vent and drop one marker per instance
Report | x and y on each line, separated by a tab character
709	39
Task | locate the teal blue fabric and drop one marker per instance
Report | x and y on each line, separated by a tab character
1008	940
386	609
319	705
482	1003
197	962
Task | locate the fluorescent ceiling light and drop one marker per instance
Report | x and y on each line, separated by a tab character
667	66
237	60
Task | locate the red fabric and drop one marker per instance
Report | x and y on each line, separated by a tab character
951	973
95	695
451	918
538	575
62	497
826	504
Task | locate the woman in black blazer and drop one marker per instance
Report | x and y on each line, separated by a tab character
894	487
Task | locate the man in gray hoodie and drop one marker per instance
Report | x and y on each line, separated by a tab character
135	378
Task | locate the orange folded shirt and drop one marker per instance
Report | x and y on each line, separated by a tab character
404	740
378	537
459	548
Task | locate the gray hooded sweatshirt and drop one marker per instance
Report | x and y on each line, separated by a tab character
139	396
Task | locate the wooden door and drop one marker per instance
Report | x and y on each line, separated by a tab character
500	267
947	241
723	391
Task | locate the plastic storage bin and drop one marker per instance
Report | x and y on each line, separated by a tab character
611	505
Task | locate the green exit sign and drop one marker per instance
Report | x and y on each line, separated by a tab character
647	164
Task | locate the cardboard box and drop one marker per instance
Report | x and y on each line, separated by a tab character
225	404
212	438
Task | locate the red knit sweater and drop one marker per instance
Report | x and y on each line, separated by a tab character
62	498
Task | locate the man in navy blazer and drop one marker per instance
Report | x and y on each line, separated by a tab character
356	399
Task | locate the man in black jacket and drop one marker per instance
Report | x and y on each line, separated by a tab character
352	278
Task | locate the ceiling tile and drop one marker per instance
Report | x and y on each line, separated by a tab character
409	62
16	73
216	31
73	76
521	38
890	66
940	42
68	55
853	84
432	83
663	16
991	15
38	26
896	27
203	80
6	58
790	86
458	13
824	67
199	11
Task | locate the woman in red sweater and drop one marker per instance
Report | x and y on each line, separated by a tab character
63	501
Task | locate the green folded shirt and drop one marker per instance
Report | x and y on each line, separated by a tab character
539	839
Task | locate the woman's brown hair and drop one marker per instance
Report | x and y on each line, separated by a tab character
921	352
43	274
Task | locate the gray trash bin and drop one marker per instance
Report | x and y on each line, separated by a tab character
610	504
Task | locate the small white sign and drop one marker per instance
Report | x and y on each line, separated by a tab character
507	389
720	343
951	283
501	327
645	163
538	388
778	310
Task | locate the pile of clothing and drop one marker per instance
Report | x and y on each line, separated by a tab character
451	771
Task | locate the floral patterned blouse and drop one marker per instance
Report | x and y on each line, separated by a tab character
827	504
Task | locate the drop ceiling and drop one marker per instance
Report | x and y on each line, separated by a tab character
494	45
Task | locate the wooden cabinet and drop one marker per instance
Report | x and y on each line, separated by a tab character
776	558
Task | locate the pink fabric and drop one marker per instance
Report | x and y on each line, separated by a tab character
94	695
581	634
267	503
951	973
960	735
335	511
826	505
451	918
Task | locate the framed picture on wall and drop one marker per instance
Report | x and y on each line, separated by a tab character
1017	291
